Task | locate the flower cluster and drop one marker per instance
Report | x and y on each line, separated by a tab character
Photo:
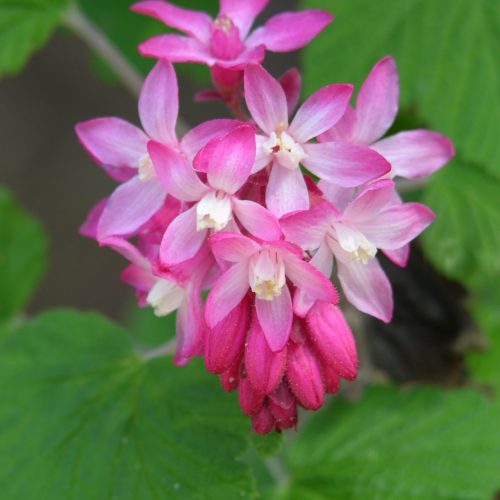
260	210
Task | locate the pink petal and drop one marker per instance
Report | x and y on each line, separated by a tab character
242	13
308	228
399	256
265	99
370	201
139	278
190	328
303	373
347	165
227	293
309	279
257	220
247	57
415	153
291	82
263	366
175	173
397	225
228	160
333	339
321	111
159	103
127	250
338	196
286	191
275	318
114	144
195	23
377	102
290	30
181	241
89	227
198	137
129	207
366	287
176	48
232	247
251	400
224	343
343	130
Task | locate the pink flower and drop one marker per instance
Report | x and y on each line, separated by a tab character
264	269
225	41
287	146
412	154
371	221
227	162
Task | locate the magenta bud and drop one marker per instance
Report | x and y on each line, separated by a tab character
224	343
231	377
264	367
331	379
304	376
283	406
251	399
263	421
333	339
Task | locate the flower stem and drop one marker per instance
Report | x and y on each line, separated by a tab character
163	350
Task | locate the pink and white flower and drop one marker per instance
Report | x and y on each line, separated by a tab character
412	154
371	221
286	146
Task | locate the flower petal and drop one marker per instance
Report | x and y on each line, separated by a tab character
275	318
291	82
338	196
228	160
114	144
195	23
175	173
347	165
243	13
343	130
181	241
232	247
265	99
367	287
159	103
320	111
399	256
308	228
370	201
89	227
286	191
176	48
377	102
228	291
310	280
129	207
257	220
199	136
415	153
397	225
290	30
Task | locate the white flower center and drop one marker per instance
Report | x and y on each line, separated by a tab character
267	274
353	242
146	168
165	297
213	211
288	152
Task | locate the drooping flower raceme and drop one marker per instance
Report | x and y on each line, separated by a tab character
228	227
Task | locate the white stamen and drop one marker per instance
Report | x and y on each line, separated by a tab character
267	274
353	242
288	152
165	297
146	168
213	211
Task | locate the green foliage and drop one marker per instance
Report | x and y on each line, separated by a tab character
22	256
25	26
417	443
82	416
447	54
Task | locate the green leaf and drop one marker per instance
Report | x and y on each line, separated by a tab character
83	417
25	26
447	54
419	443
465	236
22	256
